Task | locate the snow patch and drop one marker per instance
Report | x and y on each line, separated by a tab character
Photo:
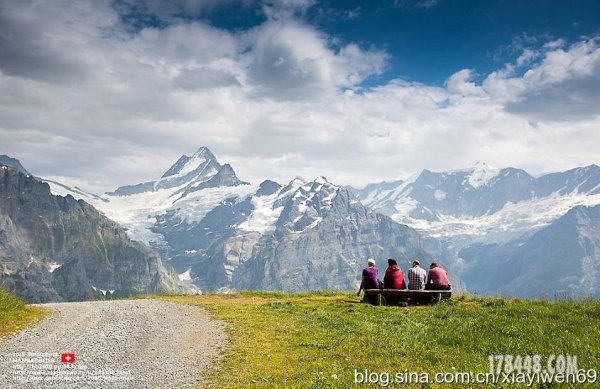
53	266
439	195
311	225
264	217
482	175
186	276
191	165
228	270
509	222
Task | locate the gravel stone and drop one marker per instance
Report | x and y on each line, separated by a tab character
117	344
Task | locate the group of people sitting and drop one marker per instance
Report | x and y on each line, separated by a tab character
418	279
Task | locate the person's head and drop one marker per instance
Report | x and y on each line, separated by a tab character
392	262
416	263
433	265
371	262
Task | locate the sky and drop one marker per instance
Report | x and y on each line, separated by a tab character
101	94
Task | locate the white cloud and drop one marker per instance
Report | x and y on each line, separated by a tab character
563	86
555	44
527	57
292	61
85	98
460	83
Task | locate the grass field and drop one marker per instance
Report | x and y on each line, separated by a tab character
318	340
15	315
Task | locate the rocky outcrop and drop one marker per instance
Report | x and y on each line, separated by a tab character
55	248
331	254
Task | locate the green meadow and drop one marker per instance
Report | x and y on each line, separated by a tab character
330	339
320	340
15	315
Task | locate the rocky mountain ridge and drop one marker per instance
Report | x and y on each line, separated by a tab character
55	248
223	234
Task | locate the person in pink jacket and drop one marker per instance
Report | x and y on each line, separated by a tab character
437	278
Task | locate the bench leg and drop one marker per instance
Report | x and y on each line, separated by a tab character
380	299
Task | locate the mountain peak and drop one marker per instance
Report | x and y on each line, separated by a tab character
480	164
201	170
204	151
186	164
14	163
482	174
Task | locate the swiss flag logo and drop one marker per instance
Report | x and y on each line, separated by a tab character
67	357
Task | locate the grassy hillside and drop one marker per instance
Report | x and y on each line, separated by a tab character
318	340
15	315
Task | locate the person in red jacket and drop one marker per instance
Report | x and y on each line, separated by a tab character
393	278
437	278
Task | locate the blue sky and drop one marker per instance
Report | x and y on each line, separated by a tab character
103	93
427	40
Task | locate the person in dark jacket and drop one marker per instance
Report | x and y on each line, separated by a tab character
369	280
369	277
393	278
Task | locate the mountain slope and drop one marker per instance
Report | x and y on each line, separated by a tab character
301	236
221	233
325	247
55	248
14	163
563	258
483	200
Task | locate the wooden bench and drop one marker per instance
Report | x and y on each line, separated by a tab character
382	296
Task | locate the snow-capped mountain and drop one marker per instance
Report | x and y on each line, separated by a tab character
188	175
485	216
190	189
303	235
221	233
483	200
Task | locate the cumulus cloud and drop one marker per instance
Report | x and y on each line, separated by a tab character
89	99
460	83
57	57
563	86
203	78
290	60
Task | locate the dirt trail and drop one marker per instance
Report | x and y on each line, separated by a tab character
116	344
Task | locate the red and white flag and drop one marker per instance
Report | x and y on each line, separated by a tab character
67	357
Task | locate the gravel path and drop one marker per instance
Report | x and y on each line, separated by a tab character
117	344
